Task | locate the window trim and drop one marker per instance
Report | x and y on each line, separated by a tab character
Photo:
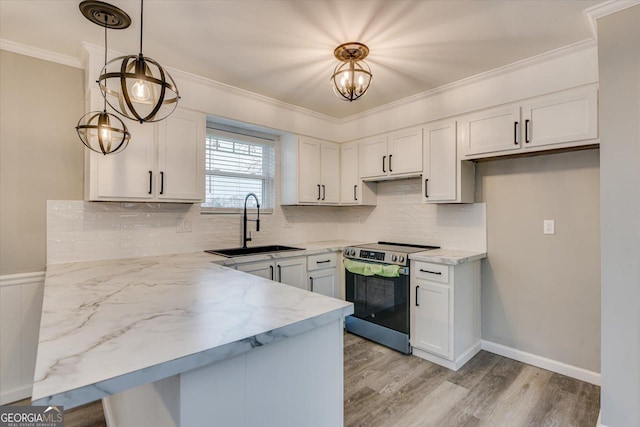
263	139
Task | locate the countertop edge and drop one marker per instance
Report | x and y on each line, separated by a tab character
76	397
448	257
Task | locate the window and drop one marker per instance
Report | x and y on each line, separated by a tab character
236	165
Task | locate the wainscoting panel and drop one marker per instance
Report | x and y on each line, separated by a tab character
20	309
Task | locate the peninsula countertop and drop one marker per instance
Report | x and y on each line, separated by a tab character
108	326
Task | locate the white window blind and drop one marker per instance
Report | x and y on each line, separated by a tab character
236	165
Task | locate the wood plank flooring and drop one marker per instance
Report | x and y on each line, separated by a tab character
384	388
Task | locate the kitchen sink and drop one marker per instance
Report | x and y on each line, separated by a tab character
233	252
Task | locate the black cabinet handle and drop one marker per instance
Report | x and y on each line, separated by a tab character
526	131
390	156
515	133
323	262
150	181
383	159
355	194
161	182
431	272
279	273
318	191
271	268
324	192
417	304
311	282
426	189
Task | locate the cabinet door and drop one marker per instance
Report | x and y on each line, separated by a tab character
492	130
129	174
431	318
330	173
324	282
349	179
405	152
292	271
181	140
439	162
264	269
373	157
309	185
563	117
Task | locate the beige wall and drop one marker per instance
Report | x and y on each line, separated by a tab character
41	156
541	293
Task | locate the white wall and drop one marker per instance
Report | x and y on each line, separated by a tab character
619	63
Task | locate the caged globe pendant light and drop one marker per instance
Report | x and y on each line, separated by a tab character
138	87
100	131
352	76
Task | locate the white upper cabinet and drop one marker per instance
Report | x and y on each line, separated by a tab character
310	171
490	131
397	154
571	115
181	156
353	191
560	120
164	162
445	179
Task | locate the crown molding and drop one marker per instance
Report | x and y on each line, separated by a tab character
606	8
35	52
524	63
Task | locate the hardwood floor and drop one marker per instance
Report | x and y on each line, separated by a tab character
384	388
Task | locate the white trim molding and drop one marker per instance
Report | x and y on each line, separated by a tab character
542	362
35	52
606	8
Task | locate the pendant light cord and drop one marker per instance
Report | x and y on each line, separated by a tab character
105	55
141	23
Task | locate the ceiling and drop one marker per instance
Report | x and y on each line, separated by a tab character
283	49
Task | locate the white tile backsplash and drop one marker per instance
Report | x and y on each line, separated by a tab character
84	231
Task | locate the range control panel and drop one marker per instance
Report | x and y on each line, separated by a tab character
382	257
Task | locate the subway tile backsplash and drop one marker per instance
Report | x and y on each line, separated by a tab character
85	231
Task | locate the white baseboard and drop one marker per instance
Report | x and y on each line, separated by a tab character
542	362
11	396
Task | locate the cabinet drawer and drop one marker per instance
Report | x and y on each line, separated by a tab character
433	272
316	262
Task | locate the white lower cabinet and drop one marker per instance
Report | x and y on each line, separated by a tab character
323	274
445	312
290	271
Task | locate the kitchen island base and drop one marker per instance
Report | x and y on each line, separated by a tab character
293	382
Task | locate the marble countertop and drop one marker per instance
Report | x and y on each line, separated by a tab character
448	256
111	325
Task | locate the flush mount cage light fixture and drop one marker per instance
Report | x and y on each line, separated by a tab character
100	131
352	76
138	87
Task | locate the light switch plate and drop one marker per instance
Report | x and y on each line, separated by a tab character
549	226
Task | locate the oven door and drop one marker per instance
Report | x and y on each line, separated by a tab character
383	301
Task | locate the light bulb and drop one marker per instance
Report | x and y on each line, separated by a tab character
140	91
105	133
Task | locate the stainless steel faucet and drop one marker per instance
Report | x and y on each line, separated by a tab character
246	239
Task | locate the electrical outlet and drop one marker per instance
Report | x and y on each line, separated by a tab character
358	220
184	224
549	226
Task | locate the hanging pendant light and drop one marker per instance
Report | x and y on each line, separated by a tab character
138	87
352	76
100	131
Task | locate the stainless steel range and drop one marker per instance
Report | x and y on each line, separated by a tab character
377	283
